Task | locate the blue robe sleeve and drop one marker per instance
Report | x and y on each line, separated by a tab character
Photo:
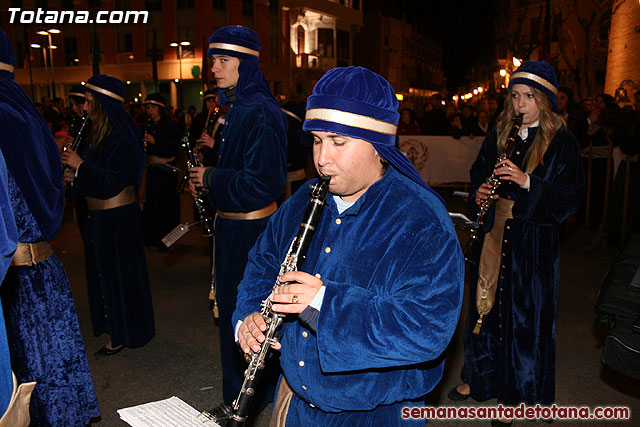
261	178
412	324
103	174
557	188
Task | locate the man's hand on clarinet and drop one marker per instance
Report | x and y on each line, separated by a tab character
483	193
295	297
251	334
206	140
195	179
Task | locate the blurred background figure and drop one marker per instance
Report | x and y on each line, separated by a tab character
434	121
299	145
161	207
408	124
109	175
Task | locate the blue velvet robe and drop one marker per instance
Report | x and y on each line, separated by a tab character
394	276
8	244
513	357
251	172
44	335
117	276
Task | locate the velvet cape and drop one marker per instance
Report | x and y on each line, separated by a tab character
115	261
35	161
513	357
8	244
44	334
394	276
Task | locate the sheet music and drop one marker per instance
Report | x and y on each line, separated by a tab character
461	220
171	412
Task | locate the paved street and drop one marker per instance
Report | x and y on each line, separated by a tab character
182	360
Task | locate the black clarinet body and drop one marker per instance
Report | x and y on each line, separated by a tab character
293	261
204	211
472	252
79	138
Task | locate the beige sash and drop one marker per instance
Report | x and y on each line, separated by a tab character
28	254
489	268
17	413
123	198
247	216
281	405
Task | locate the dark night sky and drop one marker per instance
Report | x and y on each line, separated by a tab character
465	28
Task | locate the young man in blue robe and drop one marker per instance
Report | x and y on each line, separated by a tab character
249	176
378	297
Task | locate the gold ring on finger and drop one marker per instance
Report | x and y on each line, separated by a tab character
294	299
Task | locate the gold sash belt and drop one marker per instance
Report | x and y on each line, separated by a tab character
28	254
247	216
125	197
489	268
158	159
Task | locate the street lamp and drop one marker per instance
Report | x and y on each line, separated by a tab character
179	46
51	47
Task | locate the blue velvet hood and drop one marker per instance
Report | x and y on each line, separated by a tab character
538	74
31	154
357	102
110	92
252	88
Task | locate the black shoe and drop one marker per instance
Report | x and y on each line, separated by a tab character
221	412
498	423
104	351
456	396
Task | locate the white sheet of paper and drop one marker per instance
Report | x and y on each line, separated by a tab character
171	412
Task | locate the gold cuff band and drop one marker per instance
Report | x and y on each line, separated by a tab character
104	92
6	67
535	78
247	216
28	254
235	48
351	119
125	197
160	104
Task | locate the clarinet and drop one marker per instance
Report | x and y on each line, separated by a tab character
75	145
201	203
292	262
211	128
471	254
147	128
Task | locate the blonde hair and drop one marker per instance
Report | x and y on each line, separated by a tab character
550	123
101	126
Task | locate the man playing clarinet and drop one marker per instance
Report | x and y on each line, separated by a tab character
377	299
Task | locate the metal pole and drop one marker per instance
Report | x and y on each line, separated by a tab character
53	83
180	65
46	72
